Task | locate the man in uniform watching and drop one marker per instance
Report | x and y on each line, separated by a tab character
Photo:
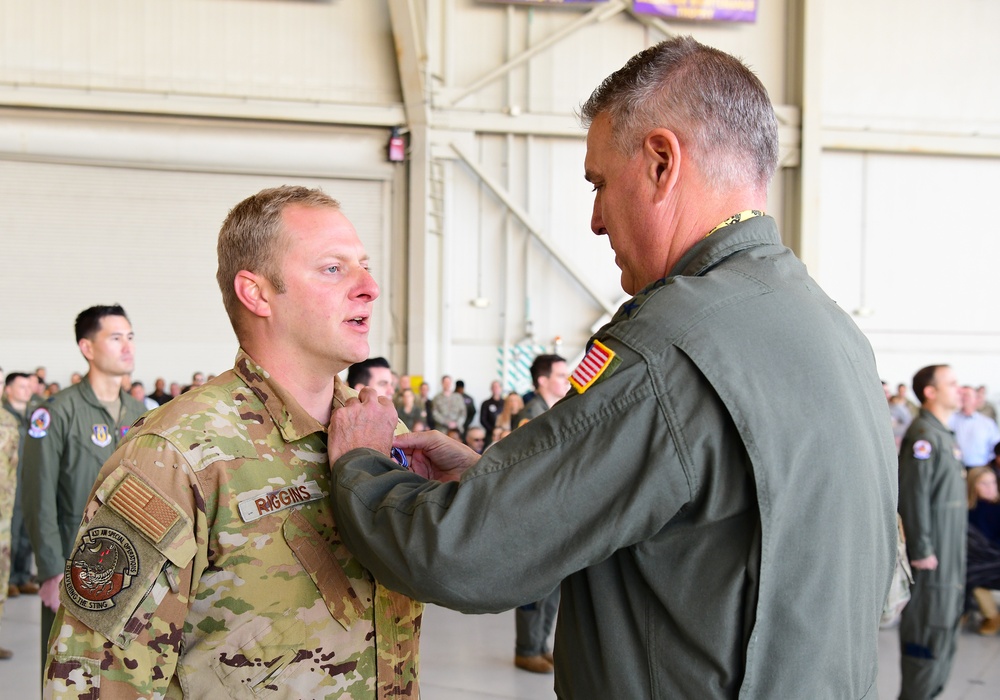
69	438
934	509
17	394
717	531
374	372
533	622
217	509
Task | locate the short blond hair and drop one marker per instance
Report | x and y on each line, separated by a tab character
251	239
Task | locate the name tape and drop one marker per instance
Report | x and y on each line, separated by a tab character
288	497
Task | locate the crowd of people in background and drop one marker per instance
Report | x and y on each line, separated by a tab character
451	410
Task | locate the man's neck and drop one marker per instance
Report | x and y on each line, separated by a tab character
312	389
19	406
939	412
106	386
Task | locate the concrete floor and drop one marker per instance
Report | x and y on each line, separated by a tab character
471	657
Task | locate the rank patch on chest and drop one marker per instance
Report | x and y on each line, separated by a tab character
288	497
594	364
101	435
40	421
102	566
921	449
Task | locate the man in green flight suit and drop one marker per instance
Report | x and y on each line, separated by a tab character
69	439
717	531
934	509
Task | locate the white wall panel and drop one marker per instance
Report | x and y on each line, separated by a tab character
910	238
82	235
314	50
912	63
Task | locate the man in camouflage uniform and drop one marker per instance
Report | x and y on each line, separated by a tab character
209	564
8	487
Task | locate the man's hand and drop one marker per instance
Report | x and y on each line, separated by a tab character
49	592
367	421
927	563
434	455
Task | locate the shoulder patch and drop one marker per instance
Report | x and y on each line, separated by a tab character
102	566
40	421
593	365
921	449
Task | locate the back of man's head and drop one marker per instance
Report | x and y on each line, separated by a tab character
717	107
360	373
252	239
924	378
88	321
542	367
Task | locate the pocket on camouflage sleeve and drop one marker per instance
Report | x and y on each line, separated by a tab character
74	677
118	556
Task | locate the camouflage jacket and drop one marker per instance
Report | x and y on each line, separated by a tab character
8	470
209	564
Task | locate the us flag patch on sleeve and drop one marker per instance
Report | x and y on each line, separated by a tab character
597	360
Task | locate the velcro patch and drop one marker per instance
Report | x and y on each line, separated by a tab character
921	449
111	570
39	423
597	360
144	508
288	497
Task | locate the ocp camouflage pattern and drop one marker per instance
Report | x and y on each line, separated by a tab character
225	605
9	438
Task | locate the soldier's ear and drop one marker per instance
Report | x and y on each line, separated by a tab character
86	349
254	292
662	151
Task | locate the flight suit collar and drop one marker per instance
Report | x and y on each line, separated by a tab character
706	254
88	395
934	422
724	242
292	421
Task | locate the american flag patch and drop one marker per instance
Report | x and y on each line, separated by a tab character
144	508
592	366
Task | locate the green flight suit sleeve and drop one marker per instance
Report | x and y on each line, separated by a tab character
43	458
596	473
916	476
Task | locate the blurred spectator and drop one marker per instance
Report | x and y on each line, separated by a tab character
975	433
425	399
17	393
984	406
409	411
75	378
159	395
983	566
490	410
374	373
475	438
470	406
512	405
138	393
448	408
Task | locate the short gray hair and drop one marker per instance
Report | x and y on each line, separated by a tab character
718	108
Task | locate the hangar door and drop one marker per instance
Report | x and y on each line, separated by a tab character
77	235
